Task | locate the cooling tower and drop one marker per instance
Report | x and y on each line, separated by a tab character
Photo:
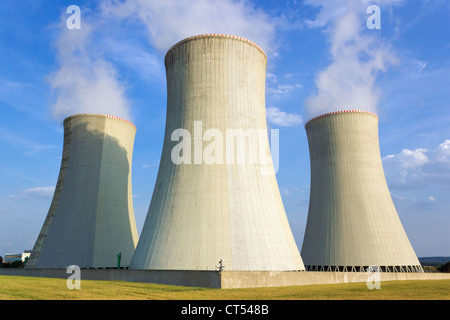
91	217
352	222
215	207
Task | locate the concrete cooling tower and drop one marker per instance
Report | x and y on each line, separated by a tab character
352	222
91	218
207	204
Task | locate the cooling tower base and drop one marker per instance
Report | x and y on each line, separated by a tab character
225	279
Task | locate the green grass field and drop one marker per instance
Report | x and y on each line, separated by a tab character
32	288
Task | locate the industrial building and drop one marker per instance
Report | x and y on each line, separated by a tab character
91	222
207	213
352	222
216	205
11	257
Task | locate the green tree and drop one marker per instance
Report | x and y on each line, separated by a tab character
444	268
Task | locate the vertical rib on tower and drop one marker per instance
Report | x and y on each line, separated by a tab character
201	213
352	222
91	217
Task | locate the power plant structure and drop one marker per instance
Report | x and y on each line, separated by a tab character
352	222
216	204
91	221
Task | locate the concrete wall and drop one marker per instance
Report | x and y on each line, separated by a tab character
201	211
91	217
242	279
352	221
205	279
224	279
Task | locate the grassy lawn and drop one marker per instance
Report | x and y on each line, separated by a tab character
33	288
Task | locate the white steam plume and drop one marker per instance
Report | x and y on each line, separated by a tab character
358	56
84	81
170	21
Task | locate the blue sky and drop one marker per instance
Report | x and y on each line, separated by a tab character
321	57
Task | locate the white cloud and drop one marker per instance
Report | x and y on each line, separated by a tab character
357	58
136	57
331	10
281	118
443	151
420	65
410	158
283	88
170	21
274	87
85	82
40	191
33	193
419	168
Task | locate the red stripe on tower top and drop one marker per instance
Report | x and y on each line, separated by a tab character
212	35
340	111
110	116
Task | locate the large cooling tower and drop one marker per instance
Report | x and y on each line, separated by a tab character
91	217
210	208
352	222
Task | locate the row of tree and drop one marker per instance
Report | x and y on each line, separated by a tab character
444	268
13	264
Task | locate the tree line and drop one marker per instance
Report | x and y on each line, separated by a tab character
13	264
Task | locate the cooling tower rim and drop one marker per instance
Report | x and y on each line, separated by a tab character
215	35
98	115
339	112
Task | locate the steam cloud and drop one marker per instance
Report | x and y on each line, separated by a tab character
170	21
358	57
87	83
84	81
